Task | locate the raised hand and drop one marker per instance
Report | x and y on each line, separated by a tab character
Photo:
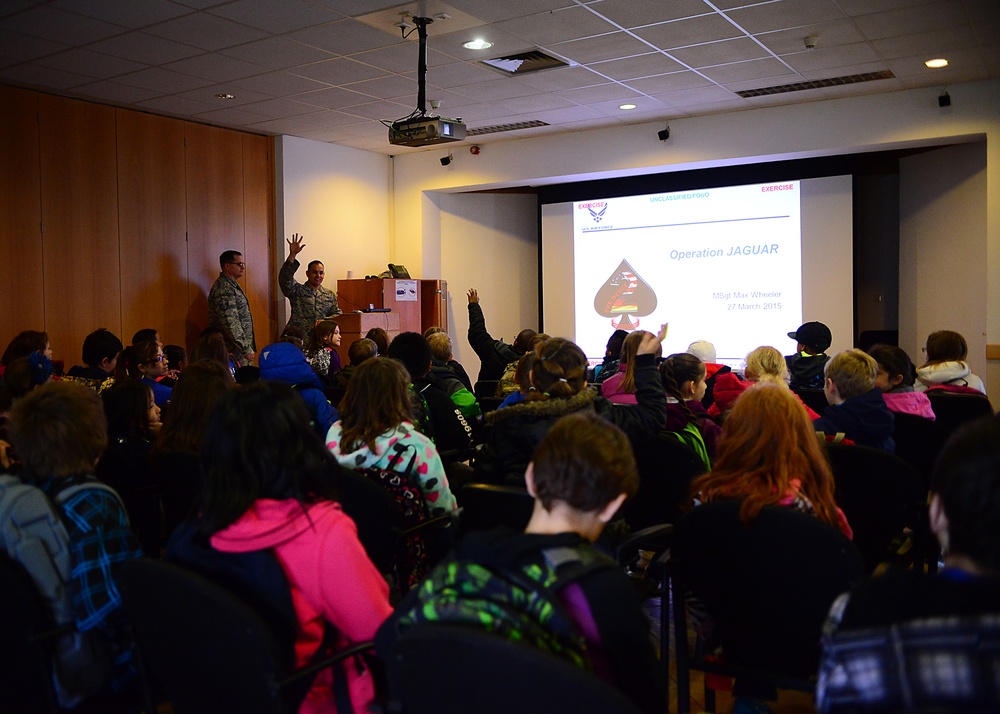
473	295
650	341
295	246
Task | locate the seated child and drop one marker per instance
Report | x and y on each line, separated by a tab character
895	379
965	517
806	365
857	408
946	364
580	474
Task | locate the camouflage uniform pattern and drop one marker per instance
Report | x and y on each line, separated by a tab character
229	310
308	305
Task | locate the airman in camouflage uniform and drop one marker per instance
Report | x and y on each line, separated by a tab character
310	300
229	309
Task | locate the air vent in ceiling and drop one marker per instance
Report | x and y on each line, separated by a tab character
523	63
497	128
816	84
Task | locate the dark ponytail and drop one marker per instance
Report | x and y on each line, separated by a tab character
677	369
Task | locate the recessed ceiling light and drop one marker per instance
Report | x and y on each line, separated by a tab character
225	95
936	63
626	106
477	45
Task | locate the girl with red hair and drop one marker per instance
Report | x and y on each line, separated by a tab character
769	454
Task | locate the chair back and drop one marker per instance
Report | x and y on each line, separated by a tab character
202	645
768	584
373	509
881	495
666	469
25	669
489	674
918	442
815	399
953	409
486	505
485	388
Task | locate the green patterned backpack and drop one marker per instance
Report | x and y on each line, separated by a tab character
522	605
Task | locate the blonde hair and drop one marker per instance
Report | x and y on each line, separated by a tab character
766	364
440	345
853	372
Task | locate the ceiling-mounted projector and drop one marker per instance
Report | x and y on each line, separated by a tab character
425	131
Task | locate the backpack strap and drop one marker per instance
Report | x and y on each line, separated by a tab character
691	436
61	495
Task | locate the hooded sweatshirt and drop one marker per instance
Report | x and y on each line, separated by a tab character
398	447
284	362
331	578
951	373
864	419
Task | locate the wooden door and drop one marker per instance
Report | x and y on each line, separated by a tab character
258	220
152	225
79	199
22	286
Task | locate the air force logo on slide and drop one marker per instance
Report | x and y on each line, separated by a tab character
598	215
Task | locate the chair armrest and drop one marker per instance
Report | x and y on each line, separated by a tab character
327	662
446	519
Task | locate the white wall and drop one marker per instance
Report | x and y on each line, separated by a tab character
942	249
339	199
489	242
836	126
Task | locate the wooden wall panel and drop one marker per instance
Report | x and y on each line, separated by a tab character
258	212
152	224
79	200
214	170
20	216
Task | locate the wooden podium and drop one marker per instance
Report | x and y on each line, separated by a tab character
355	325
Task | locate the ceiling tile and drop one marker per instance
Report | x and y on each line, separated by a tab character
390	111
234	116
557	26
205	31
127	13
536	103
932	44
163	81
505	88
145	48
216	67
15	48
240	98
829	34
844	71
600	93
109	91
810	60
768	17
671	82
562	78
569	114
503	43
176	105
398	58
760	82
277	53
333	97
12	7
741	71
279	84
638	13
338	71
458	74
92	64
493	11
643	105
354	8
699	95
35	75
911	20
59	26
695	30
389	87
866	7
641	66
276	17
281	107
713	53
317	120
958	62
345	37
602	47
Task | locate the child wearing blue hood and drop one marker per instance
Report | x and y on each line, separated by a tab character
284	362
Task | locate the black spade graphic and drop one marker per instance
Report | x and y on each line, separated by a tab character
623	295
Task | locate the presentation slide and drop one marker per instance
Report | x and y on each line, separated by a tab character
740	266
